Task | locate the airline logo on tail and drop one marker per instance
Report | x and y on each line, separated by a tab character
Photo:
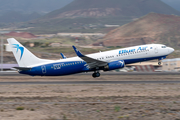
19	48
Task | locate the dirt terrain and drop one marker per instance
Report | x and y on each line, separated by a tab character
146	30
157	101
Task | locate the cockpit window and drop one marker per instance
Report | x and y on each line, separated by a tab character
163	46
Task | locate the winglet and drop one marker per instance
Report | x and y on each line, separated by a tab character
79	54
63	56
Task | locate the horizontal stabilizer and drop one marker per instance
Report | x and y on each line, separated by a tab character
63	56
22	68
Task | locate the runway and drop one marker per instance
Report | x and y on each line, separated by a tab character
110	78
103	73
89	82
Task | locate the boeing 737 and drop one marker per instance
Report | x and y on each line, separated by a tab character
110	60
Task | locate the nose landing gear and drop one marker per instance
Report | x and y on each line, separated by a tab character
159	62
96	74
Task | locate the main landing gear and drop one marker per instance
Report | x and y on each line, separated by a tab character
96	74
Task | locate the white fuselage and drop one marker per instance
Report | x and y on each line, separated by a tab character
131	53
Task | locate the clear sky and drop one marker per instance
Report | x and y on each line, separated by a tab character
32	5
173	3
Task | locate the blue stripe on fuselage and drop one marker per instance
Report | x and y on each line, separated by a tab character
57	69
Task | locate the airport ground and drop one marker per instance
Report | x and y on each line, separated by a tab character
81	97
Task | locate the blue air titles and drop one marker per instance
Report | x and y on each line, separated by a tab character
126	51
132	50
142	48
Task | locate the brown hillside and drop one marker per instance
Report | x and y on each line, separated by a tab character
103	8
21	34
80	14
157	28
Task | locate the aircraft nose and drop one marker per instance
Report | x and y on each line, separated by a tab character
171	50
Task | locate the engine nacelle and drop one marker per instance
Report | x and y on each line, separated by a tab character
114	65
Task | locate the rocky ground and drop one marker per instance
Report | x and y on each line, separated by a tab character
90	101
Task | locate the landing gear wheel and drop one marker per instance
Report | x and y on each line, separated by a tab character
159	63
96	74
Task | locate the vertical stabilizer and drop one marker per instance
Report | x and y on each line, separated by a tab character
23	56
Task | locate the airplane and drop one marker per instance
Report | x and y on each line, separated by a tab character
109	60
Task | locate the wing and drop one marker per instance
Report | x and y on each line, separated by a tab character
91	62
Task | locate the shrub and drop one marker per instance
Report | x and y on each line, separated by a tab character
20	108
117	108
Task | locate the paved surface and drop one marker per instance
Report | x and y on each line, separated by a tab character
104	73
91	82
94	81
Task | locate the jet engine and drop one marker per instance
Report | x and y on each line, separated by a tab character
114	65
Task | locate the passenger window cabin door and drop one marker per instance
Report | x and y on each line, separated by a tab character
156	49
